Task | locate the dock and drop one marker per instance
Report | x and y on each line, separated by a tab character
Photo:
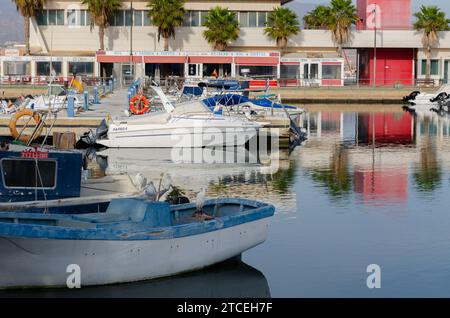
113	105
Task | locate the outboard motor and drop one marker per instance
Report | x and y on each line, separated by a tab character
90	138
440	97
411	96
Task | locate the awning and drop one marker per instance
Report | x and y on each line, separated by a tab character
211	59
165	59
263	61
113	58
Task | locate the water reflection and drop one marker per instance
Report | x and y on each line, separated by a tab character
227	280
371	153
336	176
236	172
428	175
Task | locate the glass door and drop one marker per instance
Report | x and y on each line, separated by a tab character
446	71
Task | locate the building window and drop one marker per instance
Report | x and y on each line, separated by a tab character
41	17
256	70
137	18
81	68
192	19
331	71
222	70
262	19
50	17
17	68
119	19
128	18
78	18
43	68
289	71
252	19
146	20
434	67
203	15
195	18
243	19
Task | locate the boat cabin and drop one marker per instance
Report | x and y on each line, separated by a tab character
38	174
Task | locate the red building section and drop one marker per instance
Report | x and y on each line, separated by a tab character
384	14
386	184
394	66
390	128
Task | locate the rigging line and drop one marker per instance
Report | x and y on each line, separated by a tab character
42	186
17	245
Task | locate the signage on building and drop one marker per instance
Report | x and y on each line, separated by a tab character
179	53
12	52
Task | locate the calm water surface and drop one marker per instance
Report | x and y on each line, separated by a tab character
365	188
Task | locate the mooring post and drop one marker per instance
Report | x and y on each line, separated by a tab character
129	97
86	100
70	105
96	100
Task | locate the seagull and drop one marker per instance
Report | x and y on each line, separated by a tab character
150	191
139	181
199	203
163	195
167	182
200	200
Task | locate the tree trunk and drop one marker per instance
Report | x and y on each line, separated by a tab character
282	43
26	31
220	46
101	37
339	50
428	67
166	44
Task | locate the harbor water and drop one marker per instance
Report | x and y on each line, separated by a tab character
366	187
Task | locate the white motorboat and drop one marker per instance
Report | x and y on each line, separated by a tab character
426	99
189	124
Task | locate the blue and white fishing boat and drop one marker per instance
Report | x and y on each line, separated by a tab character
133	240
36	176
261	106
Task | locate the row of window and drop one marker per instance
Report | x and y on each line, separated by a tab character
311	71
250	19
246	19
43	68
434	67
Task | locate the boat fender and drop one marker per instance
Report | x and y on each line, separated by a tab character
139	104
13	122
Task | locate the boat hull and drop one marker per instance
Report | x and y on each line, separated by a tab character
31	262
176	137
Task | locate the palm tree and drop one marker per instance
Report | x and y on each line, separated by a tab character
343	15
317	18
281	24
102	11
222	27
336	177
28	9
428	175
166	15
430	20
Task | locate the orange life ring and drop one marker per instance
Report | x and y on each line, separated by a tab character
139	104
13	122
